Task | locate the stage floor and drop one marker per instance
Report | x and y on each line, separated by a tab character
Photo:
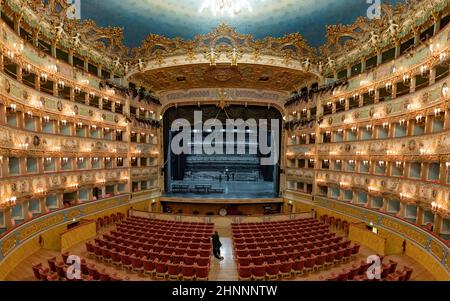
231	190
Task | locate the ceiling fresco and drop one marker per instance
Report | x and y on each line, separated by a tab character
182	18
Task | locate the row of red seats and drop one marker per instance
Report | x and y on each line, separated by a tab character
311	242
389	272
271	235
163	224
162	230
294	253
185	236
109	220
282	229
136	253
153	264
203	251
276	223
57	271
310	247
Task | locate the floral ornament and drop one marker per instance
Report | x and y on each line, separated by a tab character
348	147
330	120
59	105
7	86
36	141
25	95
372	111
412	145
388	109
75	109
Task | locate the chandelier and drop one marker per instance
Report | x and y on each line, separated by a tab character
225	7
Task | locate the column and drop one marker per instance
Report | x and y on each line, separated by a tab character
397	48
7	215
70	53
363	64
420	212
53	50
432	76
25	210
412	86
401	212
379	57
437	224
43	205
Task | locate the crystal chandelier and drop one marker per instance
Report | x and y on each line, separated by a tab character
225	7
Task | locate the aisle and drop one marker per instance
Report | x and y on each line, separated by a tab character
224	270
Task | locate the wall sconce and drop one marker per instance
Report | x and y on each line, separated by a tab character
381	163
353	129
365	162
401	122
437	112
91	95
27	69
56	148
369	127
442	56
95	159
61	85
419	118
63	122
406	80
9	202
351	162
53	68
304	111
44	77
398	164
356	96
77	90
13	107
371	92
385	124
329	104
388	87
424	71
23	145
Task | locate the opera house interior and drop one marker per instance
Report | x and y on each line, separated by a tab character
224	140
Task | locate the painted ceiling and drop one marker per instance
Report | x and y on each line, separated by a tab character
182	18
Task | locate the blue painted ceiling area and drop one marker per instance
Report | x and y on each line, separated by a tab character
182	18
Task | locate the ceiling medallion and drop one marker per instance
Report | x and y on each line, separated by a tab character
231	8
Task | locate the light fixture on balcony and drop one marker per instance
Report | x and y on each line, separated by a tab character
406	80
420	118
13	107
77	90
27	69
61	85
8	202
381	163
388	87
44	77
385	124
398	163
435	206
371	92
329	104
424	71
92	95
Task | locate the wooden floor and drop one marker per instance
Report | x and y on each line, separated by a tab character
221	270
